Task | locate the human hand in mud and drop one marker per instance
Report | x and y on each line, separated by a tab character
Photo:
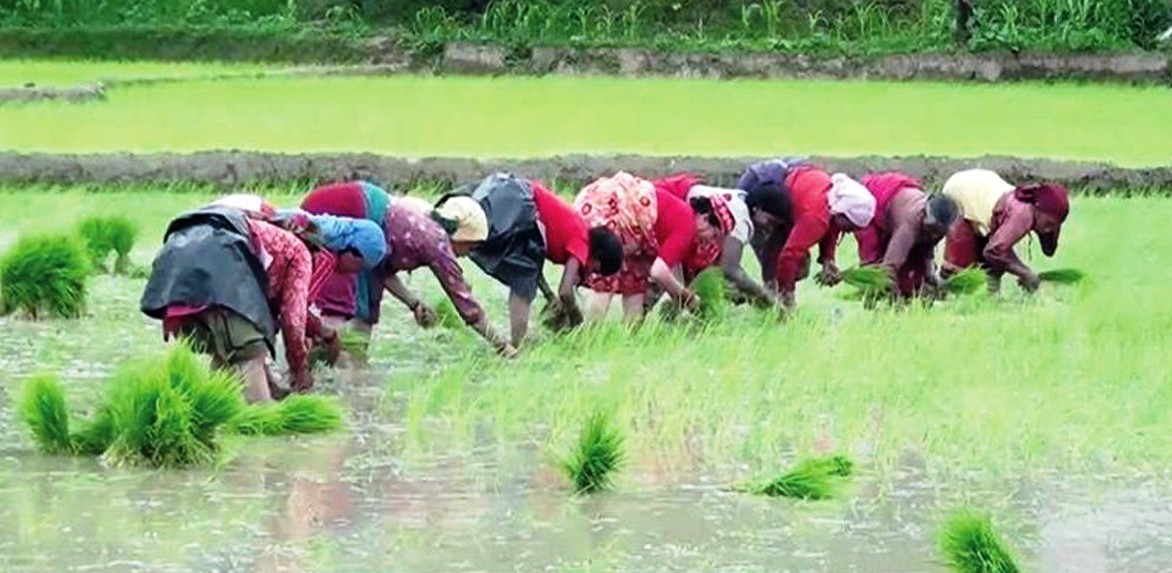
1029	282
829	275
424	315
333	344
302	380
690	300
506	350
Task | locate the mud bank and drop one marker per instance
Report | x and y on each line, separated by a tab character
32	93
473	59
231	169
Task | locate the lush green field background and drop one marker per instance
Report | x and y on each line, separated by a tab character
528	117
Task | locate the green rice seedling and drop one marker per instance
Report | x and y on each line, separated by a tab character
102	235
43	408
837	466
447	314
296	414
709	286
166	413
868	279
95	435
969	544
1062	276
812	481
968	281
44	276
598	454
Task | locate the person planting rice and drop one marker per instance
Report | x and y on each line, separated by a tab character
228	280
903	235
350	299
414	239
510	226
771	212
998	215
724	210
656	229
821	207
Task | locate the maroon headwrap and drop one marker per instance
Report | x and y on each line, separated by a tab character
1052	199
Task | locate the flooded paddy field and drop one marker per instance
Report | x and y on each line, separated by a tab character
1049	412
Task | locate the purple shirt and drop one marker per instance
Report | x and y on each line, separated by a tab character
414	240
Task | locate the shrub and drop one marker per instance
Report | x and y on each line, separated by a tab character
44	275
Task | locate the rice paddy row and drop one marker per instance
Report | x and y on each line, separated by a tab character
536	117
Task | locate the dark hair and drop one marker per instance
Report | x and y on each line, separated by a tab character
703	206
607	249
769	197
943	210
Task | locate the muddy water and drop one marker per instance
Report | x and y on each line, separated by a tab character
359	501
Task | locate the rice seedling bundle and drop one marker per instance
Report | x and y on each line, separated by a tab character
44	275
43	409
296	414
709	286
967	281
598	454
103	235
868	279
969	544
353	344
1062	276
811	479
446	313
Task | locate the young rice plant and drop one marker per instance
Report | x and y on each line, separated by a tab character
44	276
598	455
969	544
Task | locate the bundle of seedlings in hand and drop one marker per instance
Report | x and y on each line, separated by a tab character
709	286
869	278
167	413
353	344
811	479
968	544
44	275
105	234
1062	276
446	313
598	454
967	281
296	414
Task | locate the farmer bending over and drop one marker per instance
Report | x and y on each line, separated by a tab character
903	235
509	227
998	215
226	280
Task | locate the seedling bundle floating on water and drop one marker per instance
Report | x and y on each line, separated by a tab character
165	413
812	479
598	454
103	235
969	544
44	276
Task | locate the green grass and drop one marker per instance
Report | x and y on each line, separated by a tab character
969	544
530	117
59	73
44	276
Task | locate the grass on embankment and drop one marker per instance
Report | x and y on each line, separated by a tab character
64	73
526	117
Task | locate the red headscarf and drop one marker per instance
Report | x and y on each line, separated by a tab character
677	185
1052	199
723	214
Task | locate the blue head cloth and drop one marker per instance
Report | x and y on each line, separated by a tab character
341	233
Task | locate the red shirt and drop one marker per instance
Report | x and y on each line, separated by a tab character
675	227
811	211
566	234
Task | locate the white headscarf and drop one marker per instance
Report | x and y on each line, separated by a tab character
471	222
849	197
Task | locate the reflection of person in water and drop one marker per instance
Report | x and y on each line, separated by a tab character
317	501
